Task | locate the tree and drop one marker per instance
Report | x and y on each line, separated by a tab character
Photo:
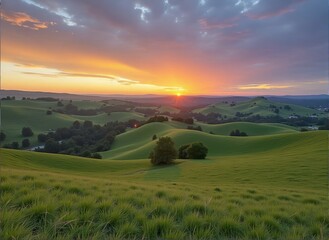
27	132
14	145
164	151
154	137
25	143
42	137
76	124
197	151
2	136
182	151
52	146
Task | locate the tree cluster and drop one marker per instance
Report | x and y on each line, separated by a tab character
47	99
237	133
165	151
82	139
196	128
8	98
157	118
71	109
183	120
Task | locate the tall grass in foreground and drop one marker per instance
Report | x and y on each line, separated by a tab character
38	205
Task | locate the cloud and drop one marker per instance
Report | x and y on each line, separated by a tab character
22	19
117	79
263	86
203	46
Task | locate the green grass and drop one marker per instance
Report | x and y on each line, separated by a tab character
270	185
169	109
19	114
257	106
265	195
137	143
251	129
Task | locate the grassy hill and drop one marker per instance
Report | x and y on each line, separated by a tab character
260	106
251	129
19	114
138	143
263	187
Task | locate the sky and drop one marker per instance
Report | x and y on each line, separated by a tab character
188	47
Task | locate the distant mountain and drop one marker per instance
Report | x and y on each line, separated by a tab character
312	101
259	106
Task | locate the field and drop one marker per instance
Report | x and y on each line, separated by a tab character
18	114
275	190
270	185
256	106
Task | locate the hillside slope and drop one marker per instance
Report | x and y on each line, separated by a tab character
18	114
257	106
137	143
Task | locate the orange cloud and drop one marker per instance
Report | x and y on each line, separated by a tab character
24	20
262	86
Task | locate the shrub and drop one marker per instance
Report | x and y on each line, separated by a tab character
49	112
25	143
197	151
154	137
27	132
164	152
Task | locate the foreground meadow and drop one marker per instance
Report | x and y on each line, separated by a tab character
274	194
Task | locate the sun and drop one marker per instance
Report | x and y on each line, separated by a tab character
178	94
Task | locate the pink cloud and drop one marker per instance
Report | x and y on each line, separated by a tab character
21	19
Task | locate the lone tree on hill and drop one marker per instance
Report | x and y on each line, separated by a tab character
154	137
164	152
27	132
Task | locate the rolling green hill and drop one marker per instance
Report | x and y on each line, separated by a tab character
252	129
137	143
19	114
260	106
264	187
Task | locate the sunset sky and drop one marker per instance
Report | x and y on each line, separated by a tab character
191	47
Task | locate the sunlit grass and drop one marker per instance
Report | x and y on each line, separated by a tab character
85	208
